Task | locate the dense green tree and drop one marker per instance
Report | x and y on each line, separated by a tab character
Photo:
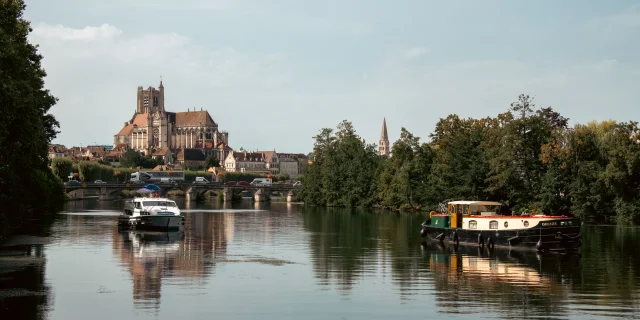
212	161
29	187
61	167
527	158
343	170
404	178
130	159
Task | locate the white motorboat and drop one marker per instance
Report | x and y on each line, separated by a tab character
151	213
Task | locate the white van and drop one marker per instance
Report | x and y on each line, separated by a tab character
261	182
167	180
201	180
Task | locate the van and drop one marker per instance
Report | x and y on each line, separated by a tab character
201	180
166	180
261	182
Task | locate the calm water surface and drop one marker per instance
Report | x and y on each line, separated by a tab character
286	261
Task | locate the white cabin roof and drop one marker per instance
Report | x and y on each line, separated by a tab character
482	203
154	199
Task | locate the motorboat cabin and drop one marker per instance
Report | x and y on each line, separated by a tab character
151	213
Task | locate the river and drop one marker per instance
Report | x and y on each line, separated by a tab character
287	261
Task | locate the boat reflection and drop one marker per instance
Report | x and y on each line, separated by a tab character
468	278
180	258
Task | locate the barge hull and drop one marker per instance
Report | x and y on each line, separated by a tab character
560	238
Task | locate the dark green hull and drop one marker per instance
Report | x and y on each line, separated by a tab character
545	236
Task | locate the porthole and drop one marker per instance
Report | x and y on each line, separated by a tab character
506	224
526	224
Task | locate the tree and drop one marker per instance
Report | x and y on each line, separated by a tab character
159	160
344	169
29	187
61	167
130	159
212	161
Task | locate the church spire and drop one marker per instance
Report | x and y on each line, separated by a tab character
383	145
383	135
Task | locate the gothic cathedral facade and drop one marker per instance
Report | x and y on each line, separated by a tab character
152	128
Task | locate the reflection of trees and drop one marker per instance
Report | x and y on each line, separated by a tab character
188	255
610	259
23	292
340	244
347	245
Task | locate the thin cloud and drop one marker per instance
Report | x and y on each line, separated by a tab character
415	52
60	32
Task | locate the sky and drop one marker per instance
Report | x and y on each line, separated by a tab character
273	73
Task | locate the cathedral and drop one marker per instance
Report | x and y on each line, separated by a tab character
153	130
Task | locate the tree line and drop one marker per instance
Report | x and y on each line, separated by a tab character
528	158
90	171
28	188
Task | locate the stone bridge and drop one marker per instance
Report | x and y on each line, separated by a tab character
191	190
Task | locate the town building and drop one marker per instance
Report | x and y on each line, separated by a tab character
57	151
190	157
246	162
271	161
152	127
383	144
291	163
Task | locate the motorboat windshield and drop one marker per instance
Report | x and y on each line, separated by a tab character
161	203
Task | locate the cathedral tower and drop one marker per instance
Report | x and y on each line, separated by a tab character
383	145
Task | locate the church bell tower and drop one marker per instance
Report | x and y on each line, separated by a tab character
383	144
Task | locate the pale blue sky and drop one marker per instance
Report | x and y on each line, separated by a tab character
273	73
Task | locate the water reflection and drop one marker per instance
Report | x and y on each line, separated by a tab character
187	256
348	245
512	284
292	261
24	294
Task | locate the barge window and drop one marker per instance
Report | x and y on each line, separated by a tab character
473	224
137	205
493	224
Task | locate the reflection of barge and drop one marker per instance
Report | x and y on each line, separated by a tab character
519	268
478	223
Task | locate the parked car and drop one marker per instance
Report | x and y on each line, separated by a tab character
297	183
99	182
243	183
74	183
230	183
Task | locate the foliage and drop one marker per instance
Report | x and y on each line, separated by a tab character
29	188
61	167
133	159
212	161
527	158
402	182
344	169
130	159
